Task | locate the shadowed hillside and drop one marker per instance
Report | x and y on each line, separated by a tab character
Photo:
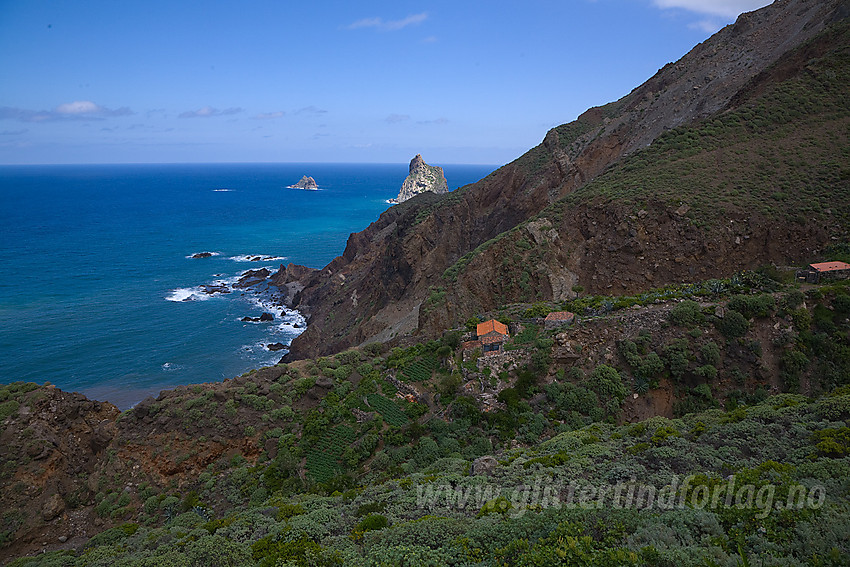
766	181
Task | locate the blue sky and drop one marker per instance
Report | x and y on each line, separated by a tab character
260	81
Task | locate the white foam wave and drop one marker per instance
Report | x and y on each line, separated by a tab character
261	351
229	281
262	302
286	321
187	294
222	190
256	258
215	288
290	328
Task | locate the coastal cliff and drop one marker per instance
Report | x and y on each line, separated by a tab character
739	89
422	178
636	218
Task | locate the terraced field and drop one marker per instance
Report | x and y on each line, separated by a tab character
391	413
323	461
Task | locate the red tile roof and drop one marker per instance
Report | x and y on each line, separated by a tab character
492	326
560	316
830	266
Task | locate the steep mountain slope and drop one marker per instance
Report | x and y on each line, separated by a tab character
375	290
766	181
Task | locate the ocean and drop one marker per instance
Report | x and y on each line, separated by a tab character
100	293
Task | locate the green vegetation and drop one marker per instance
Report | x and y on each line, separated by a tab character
346	468
388	409
751	158
781	156
421	370
651	493
323	462
560	138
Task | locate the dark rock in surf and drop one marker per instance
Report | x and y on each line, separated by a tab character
212	289
252	277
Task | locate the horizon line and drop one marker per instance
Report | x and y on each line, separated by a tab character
233	163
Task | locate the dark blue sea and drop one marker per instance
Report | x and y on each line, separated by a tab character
99	291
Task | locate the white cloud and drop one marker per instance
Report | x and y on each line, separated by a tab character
310	110
22	114
412	20
388	25
723	8
270	115
78	107
396	118
208	112
365	23
88	108
77	110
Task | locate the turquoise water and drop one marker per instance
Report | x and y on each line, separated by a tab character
100	294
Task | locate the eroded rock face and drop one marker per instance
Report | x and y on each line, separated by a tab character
422	178
307	183
52	508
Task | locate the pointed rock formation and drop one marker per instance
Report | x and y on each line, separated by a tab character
307	183
422	177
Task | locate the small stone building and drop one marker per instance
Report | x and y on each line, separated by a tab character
558	319
489	337
824	271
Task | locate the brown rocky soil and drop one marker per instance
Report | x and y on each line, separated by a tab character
59	450
50	448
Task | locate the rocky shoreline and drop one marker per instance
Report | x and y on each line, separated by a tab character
260	287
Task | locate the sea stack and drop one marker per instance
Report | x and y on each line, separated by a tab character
307	183
422	177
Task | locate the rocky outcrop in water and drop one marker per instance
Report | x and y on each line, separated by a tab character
252	278
307	183
422	178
